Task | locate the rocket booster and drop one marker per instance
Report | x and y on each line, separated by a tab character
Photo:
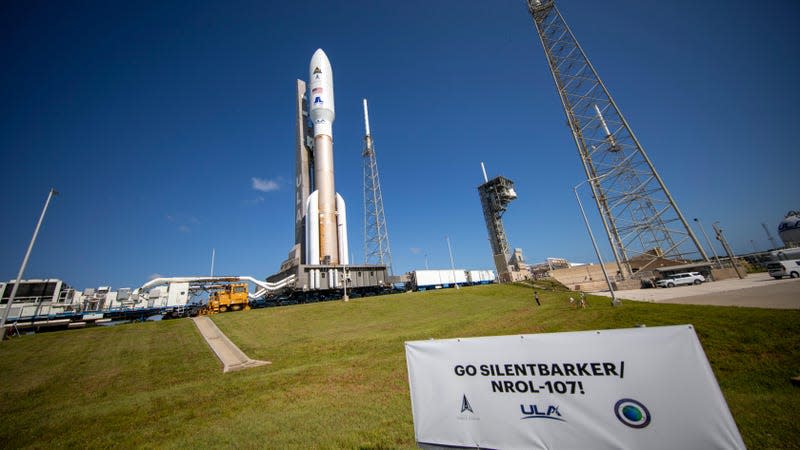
322	111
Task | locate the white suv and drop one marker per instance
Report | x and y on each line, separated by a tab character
681	278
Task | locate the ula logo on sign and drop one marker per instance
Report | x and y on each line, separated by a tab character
533	412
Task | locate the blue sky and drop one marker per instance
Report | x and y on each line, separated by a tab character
153	119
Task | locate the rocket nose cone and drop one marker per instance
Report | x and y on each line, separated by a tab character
320	67
320	57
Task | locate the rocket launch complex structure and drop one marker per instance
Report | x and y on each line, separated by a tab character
495	196
320	255
325	214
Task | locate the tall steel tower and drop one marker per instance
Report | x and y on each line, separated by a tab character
376	236
640	217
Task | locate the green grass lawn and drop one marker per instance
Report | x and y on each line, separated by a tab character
338	375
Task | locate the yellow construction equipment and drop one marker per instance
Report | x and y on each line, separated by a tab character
231	297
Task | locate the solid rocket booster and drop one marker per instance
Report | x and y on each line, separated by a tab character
323	113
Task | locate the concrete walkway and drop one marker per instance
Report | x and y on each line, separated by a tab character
756	290
232	358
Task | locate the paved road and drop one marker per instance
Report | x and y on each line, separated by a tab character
231	356
757	290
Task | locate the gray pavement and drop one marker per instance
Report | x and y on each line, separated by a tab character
229	354
756	290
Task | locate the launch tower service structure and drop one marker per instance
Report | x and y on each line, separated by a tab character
495	196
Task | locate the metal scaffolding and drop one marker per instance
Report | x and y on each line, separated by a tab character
640	217
376	235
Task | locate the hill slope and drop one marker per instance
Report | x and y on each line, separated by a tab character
338	377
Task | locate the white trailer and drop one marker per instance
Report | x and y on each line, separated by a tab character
481	276
436	279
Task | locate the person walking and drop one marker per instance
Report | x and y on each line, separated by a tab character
536	297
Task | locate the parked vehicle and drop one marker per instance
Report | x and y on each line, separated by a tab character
231	297
780	269
680	279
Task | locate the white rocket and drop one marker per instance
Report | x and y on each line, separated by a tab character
326	221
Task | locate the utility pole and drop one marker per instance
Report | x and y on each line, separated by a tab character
728	250
614	300
452	264
3	320
716	257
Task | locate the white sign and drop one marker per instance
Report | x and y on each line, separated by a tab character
636	388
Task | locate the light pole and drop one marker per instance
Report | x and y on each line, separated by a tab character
727	248
3	320
452	265
716	257
345	279
213	256
614	300
344	273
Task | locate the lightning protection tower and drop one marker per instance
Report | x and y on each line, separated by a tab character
495	196
769	236
376	236
640	217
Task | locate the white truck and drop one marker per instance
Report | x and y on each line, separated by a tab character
780	269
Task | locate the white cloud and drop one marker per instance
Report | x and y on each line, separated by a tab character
416	250
184	229
263	185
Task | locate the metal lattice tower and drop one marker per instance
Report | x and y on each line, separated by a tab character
376	236
639	215
772	240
